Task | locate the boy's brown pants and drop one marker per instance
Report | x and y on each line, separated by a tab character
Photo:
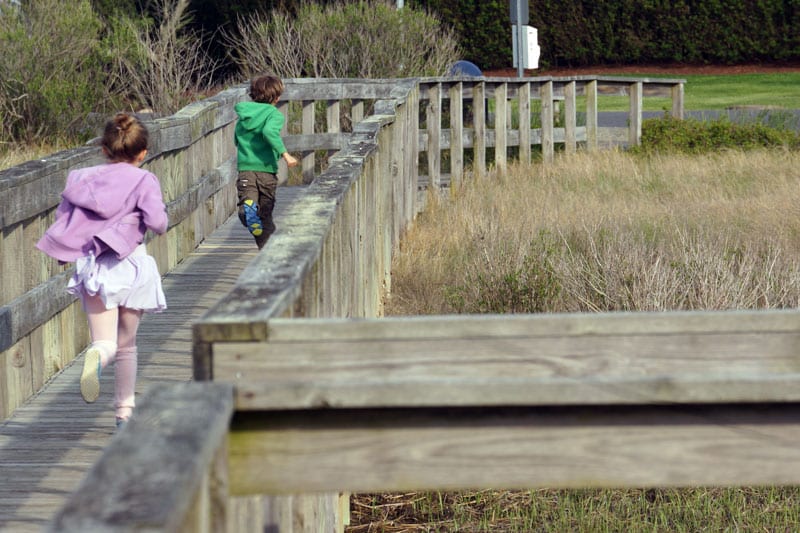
259	187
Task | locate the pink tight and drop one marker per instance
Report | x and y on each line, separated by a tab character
113	333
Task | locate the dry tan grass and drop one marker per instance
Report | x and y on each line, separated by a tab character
12	155
611	231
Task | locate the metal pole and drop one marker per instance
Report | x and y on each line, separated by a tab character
520	70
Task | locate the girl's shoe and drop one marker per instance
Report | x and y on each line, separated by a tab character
252	218
90	377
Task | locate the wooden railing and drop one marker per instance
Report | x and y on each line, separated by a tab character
41	327
361	161
454	402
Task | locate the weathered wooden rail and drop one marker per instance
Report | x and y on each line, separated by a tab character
455	402
334	258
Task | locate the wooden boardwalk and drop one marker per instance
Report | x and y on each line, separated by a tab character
49	443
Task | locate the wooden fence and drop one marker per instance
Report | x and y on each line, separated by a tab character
362	160
604	400
41	327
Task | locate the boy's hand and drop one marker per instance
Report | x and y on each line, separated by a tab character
291	161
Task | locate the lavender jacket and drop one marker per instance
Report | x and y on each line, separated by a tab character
105	207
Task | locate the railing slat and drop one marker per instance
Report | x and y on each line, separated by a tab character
501	125
456	131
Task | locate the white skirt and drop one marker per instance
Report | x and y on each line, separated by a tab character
133	282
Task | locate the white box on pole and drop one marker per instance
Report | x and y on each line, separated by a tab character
530	46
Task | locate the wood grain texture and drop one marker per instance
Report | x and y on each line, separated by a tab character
524	448
569	359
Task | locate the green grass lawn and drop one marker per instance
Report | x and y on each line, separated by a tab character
708	92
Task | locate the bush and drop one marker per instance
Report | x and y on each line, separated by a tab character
604	32
691	136
483	28
160	64
357	39
51	69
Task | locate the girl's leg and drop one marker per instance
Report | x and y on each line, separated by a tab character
103	330
125	367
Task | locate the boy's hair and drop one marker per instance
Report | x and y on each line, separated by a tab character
266	89
124	138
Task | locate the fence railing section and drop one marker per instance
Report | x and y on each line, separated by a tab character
474	123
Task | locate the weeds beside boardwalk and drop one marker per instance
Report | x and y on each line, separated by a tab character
603	232
610	232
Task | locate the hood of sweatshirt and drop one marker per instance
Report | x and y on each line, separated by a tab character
253	115
104	189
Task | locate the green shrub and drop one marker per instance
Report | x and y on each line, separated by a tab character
51	69
483	28
528	285
692	136
583	33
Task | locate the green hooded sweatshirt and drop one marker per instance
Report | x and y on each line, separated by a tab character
258	136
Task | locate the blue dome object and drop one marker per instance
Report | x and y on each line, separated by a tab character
465	68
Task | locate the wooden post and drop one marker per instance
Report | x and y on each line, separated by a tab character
333	116
500	125
433	123
309	159
356	111
546	95
283	170
524	103
591	115
479	127
635	114
570	141
677	101
456	94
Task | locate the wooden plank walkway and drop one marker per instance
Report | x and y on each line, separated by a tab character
49	443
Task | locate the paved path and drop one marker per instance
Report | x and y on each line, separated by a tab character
50	442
